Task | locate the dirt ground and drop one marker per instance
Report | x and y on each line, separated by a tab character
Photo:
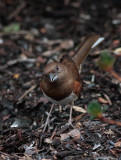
33	33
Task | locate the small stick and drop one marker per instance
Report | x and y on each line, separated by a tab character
114	74
109	121
108	99
27	92
17	10
53	134
48	117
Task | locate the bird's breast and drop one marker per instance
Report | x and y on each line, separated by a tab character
71	98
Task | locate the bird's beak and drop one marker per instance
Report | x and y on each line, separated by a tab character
52	77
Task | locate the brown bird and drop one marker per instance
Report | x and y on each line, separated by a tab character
60	82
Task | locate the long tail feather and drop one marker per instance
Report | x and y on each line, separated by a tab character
90	42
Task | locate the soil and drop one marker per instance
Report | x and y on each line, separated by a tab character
43	31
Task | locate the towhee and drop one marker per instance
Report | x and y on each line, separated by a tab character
60	82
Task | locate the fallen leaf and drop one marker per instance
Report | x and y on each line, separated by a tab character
118	144
102	100
117	51
78	125
64	136
107	98
12	28
79	109
78	117
96	146
110	132
48	140
116	42
75	133
30	149
21	122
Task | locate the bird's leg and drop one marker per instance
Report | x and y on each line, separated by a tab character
48	117
70	116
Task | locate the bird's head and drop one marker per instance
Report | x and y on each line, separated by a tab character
54	72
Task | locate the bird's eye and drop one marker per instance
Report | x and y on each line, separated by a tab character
57	68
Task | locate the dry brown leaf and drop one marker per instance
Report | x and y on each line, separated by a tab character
75	133
102	100
78	125
79	109
48	140
78	117
107	98
118	144
64	136
117	51
116	42
110	132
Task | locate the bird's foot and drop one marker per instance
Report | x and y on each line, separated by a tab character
70	123
70	118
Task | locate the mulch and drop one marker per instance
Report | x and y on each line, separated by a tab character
48	30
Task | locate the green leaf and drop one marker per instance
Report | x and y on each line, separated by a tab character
94	109
106	60
14	27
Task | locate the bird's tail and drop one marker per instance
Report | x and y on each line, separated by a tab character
89	42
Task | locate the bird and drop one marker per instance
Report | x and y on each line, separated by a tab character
60	82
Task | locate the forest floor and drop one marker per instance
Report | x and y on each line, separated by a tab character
33	33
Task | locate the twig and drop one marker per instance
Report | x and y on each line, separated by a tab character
48	117
63	129
105	158
114	74
48	42
6	154
53	134
21	32
13	62
17	10
68	153
108	99
39	129
27	92
110	121
29	158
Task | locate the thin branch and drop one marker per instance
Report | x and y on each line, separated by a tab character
27	92
17	10
110	121
114	74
